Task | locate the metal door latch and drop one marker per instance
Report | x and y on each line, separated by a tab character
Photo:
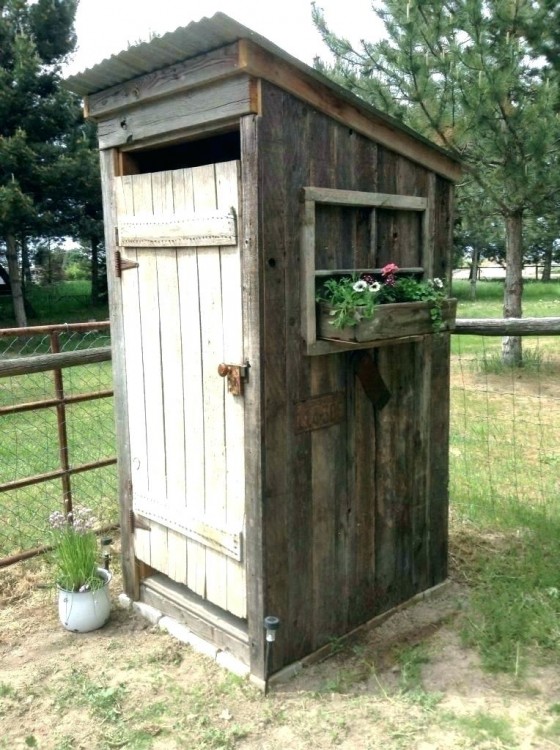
235	374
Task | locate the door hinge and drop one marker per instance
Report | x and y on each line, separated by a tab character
138	523
122	264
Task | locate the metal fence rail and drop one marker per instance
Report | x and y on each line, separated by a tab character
57	447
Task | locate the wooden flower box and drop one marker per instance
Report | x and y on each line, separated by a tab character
393	321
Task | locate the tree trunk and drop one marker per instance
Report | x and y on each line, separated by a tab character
15	281
513	288
474	272
94	244
547	264
25	264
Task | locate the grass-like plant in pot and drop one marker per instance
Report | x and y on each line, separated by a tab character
349	302
83	598
75	551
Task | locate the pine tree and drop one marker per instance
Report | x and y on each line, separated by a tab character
462	72
35	115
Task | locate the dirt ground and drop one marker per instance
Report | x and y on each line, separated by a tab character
409	683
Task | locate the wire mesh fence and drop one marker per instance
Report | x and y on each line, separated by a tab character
57	444
505	428
504	436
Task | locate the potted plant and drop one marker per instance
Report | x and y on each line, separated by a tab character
83	586
383	306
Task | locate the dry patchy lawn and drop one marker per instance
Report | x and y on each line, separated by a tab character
407	684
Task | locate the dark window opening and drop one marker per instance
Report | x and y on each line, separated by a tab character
195	153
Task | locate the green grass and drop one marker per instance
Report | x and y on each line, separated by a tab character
514	614
67	301
484	727
504	490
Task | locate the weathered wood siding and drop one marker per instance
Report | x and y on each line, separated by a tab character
354	514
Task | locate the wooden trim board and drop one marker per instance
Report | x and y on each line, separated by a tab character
216	102
357	198
326	651
219	628
197	229
226	541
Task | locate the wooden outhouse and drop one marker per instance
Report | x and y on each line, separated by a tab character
264	471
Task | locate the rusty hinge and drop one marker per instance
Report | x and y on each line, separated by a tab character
235	374
122	264
138	523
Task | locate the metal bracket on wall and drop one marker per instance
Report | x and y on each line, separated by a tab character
122	264
369	376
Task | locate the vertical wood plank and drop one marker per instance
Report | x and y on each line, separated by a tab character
438	501
135	369
211	319
193	411
172	379
250	237
227	176
274	260
152	367
296	173
428	230
327	375
308	291
119	365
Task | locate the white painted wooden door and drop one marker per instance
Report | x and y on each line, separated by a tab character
182	311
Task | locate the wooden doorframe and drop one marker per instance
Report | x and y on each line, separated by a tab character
109	163
251	271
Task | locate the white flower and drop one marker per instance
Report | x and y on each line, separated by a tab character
360	286
438	283
375	287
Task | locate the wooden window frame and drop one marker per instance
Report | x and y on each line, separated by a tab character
311	196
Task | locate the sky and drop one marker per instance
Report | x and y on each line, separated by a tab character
105	27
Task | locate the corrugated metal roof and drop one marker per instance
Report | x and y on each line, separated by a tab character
195	39
175	46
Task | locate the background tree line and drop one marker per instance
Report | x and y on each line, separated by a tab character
481	79
49	174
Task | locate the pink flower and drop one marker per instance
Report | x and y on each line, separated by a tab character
389	269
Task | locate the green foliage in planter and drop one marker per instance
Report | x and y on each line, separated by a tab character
355	299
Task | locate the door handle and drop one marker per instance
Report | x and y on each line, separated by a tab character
235	375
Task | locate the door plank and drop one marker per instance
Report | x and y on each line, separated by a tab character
151	348
134	371
172	377
227	176
211	319
193	414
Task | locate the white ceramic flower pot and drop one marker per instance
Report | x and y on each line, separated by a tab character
84	611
